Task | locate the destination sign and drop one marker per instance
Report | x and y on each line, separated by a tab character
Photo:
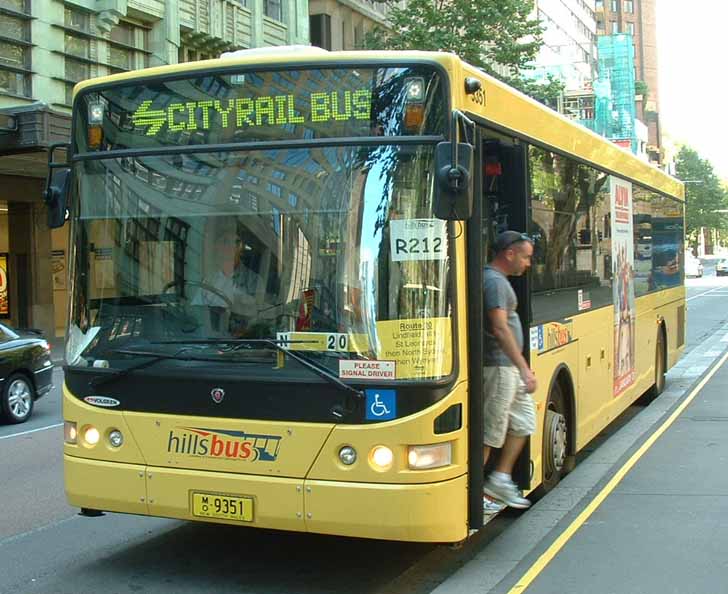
269	110
260	106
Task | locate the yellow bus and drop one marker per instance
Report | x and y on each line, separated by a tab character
276	312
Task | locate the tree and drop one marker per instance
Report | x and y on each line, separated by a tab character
704	194
495	35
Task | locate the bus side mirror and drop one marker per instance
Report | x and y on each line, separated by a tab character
56	196
453	200
58	186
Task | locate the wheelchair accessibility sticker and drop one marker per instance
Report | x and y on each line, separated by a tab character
381	405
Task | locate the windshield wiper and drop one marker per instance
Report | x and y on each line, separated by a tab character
307	362
155	358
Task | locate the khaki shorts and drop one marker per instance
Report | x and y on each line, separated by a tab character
508	409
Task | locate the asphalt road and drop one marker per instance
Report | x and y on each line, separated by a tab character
45	547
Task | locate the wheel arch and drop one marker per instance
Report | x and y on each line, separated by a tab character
662	328
563	376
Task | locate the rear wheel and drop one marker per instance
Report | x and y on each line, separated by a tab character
555	458
18	396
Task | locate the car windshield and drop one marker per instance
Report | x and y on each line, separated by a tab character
330	250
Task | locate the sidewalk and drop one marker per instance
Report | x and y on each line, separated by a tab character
663	529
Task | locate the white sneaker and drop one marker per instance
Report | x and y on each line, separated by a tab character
491	506
505	491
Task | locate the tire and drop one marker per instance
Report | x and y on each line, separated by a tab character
18	398
659	386
555	457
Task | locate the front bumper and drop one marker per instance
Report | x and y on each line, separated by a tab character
433	512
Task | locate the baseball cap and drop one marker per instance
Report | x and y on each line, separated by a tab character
507	238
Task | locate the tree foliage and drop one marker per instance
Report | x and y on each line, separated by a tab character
704	194
495	35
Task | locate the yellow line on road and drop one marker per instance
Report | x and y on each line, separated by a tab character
564	537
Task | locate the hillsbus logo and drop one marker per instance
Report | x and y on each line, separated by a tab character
223	445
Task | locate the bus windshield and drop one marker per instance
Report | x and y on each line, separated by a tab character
332	250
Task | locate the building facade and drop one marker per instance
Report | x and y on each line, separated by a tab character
343	24
47	46
638	19
569	49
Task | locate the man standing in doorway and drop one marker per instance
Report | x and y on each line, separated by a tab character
510	414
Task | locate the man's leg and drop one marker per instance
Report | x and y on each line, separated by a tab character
509	454
521	423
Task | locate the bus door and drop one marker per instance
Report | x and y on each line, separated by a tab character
505	198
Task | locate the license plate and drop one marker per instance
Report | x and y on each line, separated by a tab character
224	507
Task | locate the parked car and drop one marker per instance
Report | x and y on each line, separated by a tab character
693	266
721	267
26	369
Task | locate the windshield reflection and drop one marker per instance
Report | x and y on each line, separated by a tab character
327	248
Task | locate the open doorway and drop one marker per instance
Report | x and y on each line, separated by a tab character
501	199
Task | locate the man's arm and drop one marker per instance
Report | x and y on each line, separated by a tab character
506	341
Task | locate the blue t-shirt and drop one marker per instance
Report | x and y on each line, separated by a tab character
500	295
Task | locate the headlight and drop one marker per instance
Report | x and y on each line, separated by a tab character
70	435
381	457
435	455
91	435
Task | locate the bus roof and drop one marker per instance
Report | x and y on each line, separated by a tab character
274	56
511	111
503	107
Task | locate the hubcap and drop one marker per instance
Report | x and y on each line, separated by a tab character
557	440
19	398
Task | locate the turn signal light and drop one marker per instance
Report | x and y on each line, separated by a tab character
414	115
95	135
70	434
